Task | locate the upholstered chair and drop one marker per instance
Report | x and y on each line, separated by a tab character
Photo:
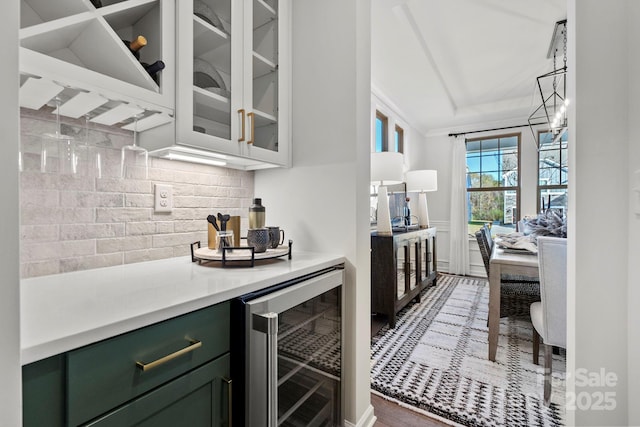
549	316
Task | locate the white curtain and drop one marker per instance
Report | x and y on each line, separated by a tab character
459	243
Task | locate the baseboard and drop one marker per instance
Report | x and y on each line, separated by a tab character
368	419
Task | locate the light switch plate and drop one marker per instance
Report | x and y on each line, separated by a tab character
163	198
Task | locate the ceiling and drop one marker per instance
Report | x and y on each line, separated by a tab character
450	65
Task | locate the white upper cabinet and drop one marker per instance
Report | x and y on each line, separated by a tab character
233	82
74	50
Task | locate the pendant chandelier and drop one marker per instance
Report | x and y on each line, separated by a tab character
552	88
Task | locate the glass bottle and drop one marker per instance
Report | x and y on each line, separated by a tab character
256	214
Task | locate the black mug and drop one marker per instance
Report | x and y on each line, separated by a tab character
276	236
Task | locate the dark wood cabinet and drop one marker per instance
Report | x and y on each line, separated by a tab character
402	265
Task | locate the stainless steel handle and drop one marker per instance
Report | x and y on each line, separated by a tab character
267	323
146	366
229	405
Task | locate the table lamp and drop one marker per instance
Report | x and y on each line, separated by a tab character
421	181
386	169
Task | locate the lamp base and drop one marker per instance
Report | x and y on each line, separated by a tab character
383	223
423	211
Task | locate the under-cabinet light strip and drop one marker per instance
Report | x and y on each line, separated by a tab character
193	159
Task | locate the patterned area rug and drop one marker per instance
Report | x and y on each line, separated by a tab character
435	360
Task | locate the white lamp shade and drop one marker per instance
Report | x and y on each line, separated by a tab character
422	180
386	168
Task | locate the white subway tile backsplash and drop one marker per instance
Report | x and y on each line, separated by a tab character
56	250
89	262
39	233
178	239
39	198
197	225
74	223
148	255
90	231
139	200
123	214
39	268
163	227
122	244
141	228
32	215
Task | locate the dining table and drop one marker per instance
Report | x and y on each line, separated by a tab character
505	261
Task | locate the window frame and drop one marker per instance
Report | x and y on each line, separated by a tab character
399	139
541	188
384	133
517	188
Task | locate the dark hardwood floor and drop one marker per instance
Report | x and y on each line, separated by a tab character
390	414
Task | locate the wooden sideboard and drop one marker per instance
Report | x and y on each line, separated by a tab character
402	265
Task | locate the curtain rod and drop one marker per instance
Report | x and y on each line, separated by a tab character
502	128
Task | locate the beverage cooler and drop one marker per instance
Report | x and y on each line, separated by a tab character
287	353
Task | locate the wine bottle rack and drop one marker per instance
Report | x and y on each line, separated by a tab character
75	51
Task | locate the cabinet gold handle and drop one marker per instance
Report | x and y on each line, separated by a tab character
146	366
253	127
230	406
241	112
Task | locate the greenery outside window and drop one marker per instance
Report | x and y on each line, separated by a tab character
382	123
493	182
553	172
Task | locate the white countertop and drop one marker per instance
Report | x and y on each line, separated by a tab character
66	311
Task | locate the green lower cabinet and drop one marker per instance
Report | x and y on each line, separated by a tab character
43	393
199	398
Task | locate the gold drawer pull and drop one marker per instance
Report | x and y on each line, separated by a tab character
146	366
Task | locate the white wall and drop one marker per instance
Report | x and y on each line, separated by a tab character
322	202
598	265
633	343
10	390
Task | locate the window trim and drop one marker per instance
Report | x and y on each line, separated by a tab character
385	131
399	134
540	188
517	189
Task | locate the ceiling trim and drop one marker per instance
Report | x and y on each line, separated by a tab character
378	93
404	12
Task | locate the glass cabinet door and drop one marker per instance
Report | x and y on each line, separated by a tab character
264	74
213	71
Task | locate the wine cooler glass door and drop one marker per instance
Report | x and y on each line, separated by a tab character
296	355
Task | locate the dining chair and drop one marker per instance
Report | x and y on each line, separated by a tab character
549	316
517	293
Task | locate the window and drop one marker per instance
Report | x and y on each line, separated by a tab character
381	132
493	182
399	139
552	172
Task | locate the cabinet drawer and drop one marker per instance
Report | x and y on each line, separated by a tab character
104	375
197	399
